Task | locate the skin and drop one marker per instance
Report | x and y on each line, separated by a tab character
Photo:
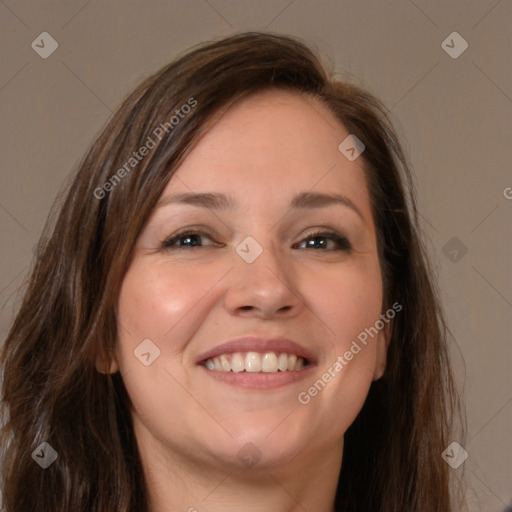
190	427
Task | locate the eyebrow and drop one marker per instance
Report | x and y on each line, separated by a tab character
216	201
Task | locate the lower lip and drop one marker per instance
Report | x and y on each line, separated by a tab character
259	381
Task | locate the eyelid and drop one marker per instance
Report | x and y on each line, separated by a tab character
184	232
340	238
343	242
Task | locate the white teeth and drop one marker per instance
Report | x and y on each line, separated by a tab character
269	362
238	362
283	362
254	362
226	366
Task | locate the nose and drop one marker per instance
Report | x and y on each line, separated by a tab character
265	287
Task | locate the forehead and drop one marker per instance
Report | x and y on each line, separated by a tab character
271	146
276	120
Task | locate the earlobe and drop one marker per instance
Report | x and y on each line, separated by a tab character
382	351
106	365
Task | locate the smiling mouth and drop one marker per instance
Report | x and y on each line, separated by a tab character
256	362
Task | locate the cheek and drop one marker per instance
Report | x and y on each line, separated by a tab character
156	303
349	301
337	394
155	298
349	305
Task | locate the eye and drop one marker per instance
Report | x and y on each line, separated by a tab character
342	242
190	239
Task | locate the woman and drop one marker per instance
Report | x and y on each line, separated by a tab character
233	309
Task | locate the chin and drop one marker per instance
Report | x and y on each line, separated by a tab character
270	446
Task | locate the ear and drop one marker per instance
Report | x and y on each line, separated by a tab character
106	364
382	345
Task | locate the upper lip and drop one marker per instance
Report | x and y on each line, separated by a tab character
257	344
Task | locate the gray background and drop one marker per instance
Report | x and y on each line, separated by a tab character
454	115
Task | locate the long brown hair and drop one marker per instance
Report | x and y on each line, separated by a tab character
52	391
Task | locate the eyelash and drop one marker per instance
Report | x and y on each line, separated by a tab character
343	242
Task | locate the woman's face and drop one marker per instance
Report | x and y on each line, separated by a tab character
254	268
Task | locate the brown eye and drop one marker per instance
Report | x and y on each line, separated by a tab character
190	239
317	240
